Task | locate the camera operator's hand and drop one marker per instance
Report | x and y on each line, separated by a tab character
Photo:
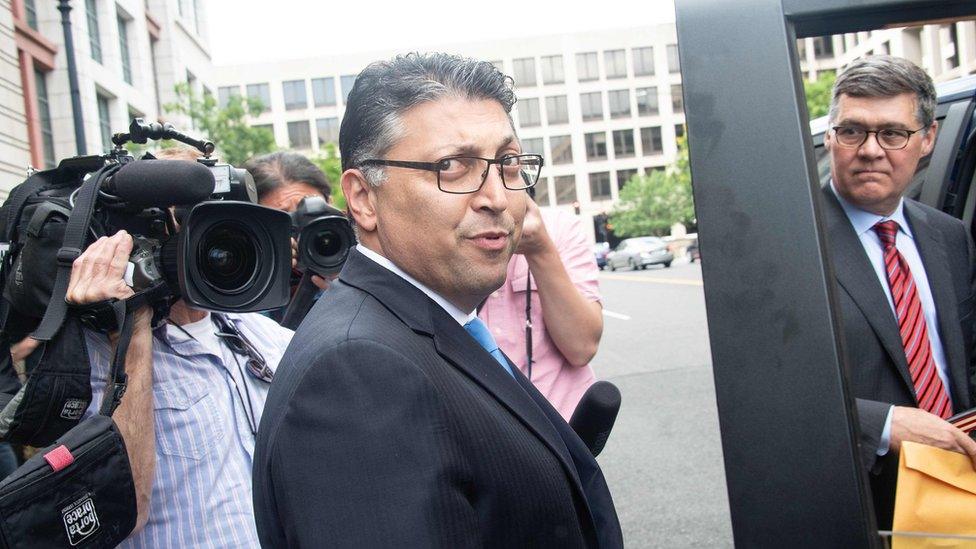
23	348
97	274
535	238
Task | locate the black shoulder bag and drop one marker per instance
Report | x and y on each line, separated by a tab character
79	491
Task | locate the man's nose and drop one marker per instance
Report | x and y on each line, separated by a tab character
492	194
871	148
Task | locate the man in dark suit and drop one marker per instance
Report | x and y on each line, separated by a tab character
393	420
905	271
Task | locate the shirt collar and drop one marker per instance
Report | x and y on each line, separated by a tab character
457	314
864	221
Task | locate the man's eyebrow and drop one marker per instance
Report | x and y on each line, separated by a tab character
469	149
882	126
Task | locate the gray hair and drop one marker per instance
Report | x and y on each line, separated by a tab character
384	90
887	76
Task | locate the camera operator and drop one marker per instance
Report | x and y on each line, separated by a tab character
196	389
283	179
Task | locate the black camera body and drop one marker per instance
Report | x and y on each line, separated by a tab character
324	236
217	249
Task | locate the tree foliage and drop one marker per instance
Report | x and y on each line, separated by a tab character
226	126
650	204
818	94
332	166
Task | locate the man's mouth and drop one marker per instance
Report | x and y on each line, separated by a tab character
490	240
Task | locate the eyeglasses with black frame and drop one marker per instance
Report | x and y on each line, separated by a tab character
891	139
467	174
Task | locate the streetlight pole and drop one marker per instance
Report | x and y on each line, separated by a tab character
64	6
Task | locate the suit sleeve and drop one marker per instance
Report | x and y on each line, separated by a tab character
364	457
871	416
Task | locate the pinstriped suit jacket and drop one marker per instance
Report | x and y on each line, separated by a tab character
387	425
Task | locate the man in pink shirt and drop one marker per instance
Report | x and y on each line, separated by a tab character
567	318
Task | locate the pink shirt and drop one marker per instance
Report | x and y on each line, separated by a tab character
504	312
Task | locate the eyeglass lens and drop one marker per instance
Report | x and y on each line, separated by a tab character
888	138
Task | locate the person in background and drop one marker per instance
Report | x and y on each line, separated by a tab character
555	263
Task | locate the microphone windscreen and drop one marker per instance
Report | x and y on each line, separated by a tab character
162	183
595	415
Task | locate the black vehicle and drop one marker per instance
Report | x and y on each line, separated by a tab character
944	178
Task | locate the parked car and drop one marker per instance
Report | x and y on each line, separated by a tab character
600	250
638	253
694	254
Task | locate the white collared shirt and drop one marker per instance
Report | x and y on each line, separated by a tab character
863	223
457	314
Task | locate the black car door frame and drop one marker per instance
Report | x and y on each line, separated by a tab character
789	427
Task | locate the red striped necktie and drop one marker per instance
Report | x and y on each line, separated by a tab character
929	391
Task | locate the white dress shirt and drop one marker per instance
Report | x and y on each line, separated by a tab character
863	223
457	314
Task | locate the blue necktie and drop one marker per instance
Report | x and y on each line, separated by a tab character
480	333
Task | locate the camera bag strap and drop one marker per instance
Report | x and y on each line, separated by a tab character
75	234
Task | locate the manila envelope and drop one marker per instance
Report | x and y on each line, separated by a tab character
936	495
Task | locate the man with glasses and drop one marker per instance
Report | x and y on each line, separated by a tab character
196	389
394	419
904	271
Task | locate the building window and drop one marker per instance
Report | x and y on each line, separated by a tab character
323	92
679	131
596	145
542	192
674	64
294	92
533	146
823	46
677	103
565	187
651	141
643	61
346	82
94	37
623	176
953	45
591	105
528	113
615	63
44	117
104	121
327	130
556	110
647	101
191	80
600	186
30	12
562	149
261	92
623	143
524	72
552	70
299	136
224	93
619	103
124	49
587	66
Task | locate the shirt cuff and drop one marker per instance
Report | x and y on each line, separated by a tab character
883	446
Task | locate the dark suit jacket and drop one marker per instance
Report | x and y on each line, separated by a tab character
878	367
387	425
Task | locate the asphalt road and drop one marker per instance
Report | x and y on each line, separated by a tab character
663	460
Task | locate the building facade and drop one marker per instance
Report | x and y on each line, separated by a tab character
600	106
130	54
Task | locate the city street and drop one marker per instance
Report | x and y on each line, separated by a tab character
663	460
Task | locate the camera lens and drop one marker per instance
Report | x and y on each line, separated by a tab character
327	244
228	257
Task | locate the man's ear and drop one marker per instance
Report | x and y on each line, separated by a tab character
928	140
359	199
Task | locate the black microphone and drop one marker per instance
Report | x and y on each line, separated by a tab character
595	414
161	183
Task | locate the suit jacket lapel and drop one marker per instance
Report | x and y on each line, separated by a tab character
455	345
931	249
857	277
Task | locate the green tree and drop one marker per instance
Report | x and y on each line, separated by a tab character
818	94
226	126
332	166
651	203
